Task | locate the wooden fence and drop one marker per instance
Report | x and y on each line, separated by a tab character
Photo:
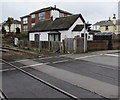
50	45
71	45
68	45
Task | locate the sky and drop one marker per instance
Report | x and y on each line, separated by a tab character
92	10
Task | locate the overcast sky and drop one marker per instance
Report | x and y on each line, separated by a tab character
91	11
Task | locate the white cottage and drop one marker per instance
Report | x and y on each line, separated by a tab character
58	29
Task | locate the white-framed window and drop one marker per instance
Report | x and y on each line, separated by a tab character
25	20
61	14
33	24
42	16
54	37
17	25
25	28
33	16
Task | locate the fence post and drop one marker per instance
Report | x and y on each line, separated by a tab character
29	44
63	46
49	45
75	45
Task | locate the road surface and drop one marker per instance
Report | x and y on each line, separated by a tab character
85	76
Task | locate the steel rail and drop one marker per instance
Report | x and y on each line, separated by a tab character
3	95
44	82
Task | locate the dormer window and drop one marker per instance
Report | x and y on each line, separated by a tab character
42	16
33	16
61	14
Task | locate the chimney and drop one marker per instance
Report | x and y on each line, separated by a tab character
114	19
109	19
55	13
114	16
55	6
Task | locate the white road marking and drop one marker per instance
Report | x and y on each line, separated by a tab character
26	66
20	60
4	70
114	55
88	56
48	57
22	67
60	61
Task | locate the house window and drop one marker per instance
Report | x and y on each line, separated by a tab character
33	16
25	28
17	25
61	14
51	37
106	28
25	20
33	24
82	35
42	16
54	37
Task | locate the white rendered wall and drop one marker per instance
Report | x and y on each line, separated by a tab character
69	33
55	14
12	28
43	36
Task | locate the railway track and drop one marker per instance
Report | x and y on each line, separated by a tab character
42	81
3	96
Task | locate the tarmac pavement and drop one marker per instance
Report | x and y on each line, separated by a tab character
91	75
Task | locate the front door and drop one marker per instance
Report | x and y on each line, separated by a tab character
36	37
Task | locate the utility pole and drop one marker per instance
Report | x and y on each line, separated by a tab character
84	37
86	26
39	41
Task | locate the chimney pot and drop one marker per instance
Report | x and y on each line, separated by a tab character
55	6
114	16
109	19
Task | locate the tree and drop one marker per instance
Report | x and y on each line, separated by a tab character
9	22
3	30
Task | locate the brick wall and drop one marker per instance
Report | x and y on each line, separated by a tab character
116	44
21	24
32	20
29	23
97	45
47	15
36	18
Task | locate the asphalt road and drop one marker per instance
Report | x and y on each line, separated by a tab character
19	85
101	68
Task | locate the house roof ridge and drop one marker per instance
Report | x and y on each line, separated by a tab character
69	16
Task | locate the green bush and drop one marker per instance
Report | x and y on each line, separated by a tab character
23	36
